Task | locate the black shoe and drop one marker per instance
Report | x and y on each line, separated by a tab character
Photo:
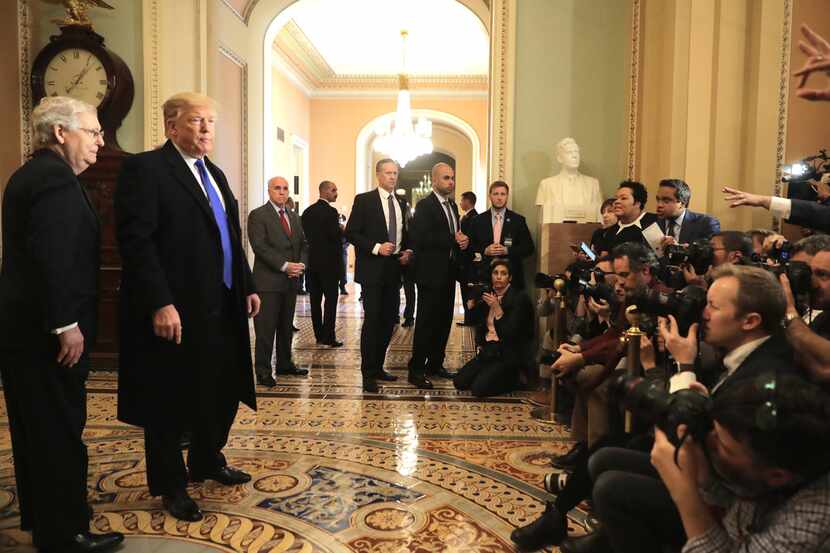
184	440
408	323
370	386
440	373
86	542
333	343
182	507
388	377
293	370
294	329
266	380
463	323
420	381
596	542
343	291
571	458
555	482
226	475
302	292
549	529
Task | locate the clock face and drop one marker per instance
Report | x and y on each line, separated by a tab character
76	73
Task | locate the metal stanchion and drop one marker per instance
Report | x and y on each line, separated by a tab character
632	338
547	414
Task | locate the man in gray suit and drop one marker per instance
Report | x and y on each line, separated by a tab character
279	245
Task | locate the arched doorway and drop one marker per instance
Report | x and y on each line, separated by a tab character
498	16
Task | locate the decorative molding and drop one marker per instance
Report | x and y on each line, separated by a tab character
241	16
301	57
783	103
154	132
502	73
24	42
243	194
634	92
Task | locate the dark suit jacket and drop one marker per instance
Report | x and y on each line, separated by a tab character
775	354
515	328
321	224
273	248
695	226
630	234
172	254
466	219
367	227
51	258
437	254
810	214
515	227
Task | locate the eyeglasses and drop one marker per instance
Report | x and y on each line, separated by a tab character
94	133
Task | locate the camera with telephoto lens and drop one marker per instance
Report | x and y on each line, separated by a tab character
649	400
699	254
809	168
685	304
799	274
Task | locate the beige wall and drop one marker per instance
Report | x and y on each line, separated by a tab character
10	154
335	124
709	100
291	111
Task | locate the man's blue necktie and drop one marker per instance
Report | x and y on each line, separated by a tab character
221	222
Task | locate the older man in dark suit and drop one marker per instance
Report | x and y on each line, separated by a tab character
186	294
321	224
378	229
48	318
438	244
279	245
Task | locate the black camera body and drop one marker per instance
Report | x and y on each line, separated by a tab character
478	289
686	305
781	253
649	400
799	274
699	254
814	168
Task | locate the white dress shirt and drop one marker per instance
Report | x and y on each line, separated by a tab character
677	224
780	207
288	221
444	200
384	203
191	164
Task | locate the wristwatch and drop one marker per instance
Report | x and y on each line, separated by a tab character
789	318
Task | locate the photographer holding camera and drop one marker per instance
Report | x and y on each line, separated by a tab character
745	307
504	317
812	343
770	470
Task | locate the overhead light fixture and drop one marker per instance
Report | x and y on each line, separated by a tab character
398	137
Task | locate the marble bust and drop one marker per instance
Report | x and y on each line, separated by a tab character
569	196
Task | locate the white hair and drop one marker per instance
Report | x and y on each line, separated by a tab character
56	110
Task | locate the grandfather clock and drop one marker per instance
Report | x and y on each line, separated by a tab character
76	63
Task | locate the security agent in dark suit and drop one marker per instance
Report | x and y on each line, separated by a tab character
410	293
379	232
438	244
279	245
321	224
48	318
468	269
186	295
629	207
500	232
677	221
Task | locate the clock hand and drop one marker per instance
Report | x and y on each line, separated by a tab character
79	77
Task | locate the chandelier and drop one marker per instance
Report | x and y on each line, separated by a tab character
398	137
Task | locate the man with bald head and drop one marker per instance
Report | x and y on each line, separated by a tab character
186	294
279	245
437	241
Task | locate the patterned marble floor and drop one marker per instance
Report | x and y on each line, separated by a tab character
334	470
